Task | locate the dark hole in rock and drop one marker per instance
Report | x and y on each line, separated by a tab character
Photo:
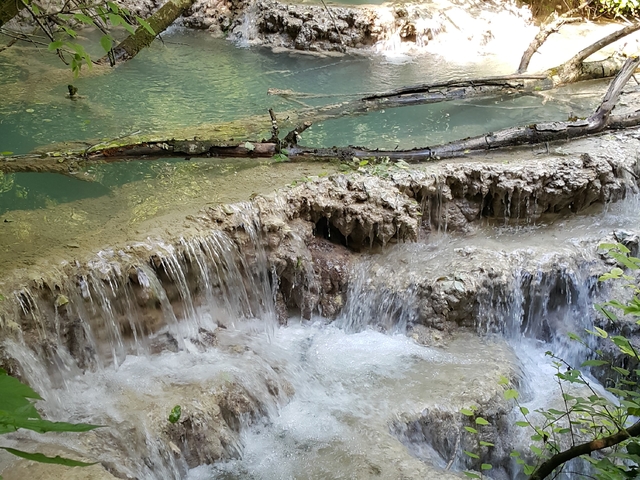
323	229
487	206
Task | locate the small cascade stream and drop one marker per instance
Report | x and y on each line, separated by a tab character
197	326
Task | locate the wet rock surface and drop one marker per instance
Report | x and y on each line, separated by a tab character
296	251
305	238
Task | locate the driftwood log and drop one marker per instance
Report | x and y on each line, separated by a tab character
600	120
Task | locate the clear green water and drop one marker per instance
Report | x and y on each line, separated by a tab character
193	79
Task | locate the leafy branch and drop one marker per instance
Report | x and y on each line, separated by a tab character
17	411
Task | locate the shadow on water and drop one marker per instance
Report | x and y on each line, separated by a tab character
28	191
31	191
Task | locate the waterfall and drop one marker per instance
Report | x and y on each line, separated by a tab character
460	32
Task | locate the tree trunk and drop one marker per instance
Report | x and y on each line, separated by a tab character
9	9
159	22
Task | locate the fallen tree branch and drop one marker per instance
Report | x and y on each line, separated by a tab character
551	25
530	134
572	71
9	45
576	69
603	42
142	38
544	470
293	136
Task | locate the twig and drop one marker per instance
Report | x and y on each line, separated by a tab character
455	449
10	44
275	132
600	44
110	141
292	136
23	37
334	22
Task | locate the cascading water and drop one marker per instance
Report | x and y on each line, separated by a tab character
458	31
194	324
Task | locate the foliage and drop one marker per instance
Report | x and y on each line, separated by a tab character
175	414
607	8
478	422
618	8
588	420
17	410
61	27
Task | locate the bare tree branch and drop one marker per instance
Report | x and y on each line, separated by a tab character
600	44
551	25
561	458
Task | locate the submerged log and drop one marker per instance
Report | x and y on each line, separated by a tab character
600	120
514	136
575	70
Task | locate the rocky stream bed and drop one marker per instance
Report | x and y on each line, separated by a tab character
447	253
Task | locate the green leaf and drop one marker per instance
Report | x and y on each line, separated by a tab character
107	43
115	19
15	398
55	45
486	466
633	448
522	424
472	475
6	153
44	426
594	363
471	430
524	410
471	454
39	457
511	393
536	450
467	412
486	444
175	414
622	371
503	380
84	18
481	421
575	337
69	31
145	25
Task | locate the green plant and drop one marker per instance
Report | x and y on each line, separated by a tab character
603	432
60	27
618	8
175	414
17	410
478	423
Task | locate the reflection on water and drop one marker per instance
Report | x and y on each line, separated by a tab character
24	191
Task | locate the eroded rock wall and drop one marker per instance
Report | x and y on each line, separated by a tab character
299	244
